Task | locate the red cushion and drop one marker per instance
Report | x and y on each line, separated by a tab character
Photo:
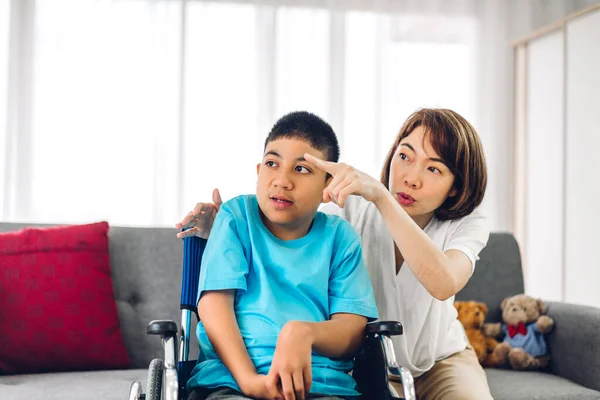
57	306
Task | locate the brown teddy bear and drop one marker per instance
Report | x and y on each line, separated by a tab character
524	346
472	314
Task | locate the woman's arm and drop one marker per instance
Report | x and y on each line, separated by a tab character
443	274
200	219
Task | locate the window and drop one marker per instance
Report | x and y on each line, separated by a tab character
4	43
105	108
137	123
222	133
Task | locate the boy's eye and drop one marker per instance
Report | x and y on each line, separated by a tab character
271	164
302	169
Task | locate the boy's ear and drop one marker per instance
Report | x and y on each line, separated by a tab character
258	168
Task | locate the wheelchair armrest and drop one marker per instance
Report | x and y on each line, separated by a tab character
376	360
389	328
165	328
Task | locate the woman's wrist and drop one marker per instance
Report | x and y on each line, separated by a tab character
375	191
383	198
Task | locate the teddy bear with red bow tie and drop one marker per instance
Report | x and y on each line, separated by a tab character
525	324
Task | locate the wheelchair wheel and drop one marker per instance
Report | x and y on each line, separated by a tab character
155	380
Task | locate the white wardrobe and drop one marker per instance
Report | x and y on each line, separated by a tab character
556	159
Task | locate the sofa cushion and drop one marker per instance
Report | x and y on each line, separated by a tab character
91	385
532	385
57	306
497	275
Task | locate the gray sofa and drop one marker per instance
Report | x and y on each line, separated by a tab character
146	268
574	371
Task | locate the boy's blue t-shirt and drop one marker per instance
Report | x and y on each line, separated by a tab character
277	281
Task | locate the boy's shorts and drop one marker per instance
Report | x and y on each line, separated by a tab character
230	394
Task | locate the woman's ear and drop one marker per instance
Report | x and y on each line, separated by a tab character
453	192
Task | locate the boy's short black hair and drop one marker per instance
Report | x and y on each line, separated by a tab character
310	128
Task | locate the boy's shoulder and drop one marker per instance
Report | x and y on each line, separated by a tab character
338	226
239	206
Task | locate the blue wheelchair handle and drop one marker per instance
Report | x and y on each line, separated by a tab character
193	248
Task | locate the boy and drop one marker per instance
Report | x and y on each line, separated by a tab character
284	295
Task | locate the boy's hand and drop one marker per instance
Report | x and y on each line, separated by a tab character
255	386
291	371
201	218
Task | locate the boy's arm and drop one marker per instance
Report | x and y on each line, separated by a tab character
291	369
216	312
215	309
351	304
340	337
351	301
221	274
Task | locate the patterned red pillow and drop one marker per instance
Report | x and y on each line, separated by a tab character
57	305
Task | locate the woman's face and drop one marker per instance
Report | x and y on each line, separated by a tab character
419	179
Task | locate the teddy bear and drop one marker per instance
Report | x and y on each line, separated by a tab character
472	314
524	325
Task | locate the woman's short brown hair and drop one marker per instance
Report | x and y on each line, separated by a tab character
457	143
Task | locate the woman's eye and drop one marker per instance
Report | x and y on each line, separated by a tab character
403	156
435	170
302	169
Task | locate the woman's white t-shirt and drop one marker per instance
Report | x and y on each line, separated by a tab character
431	329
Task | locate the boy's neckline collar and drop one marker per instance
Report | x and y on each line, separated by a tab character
315	227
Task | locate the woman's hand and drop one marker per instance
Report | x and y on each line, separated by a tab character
347	181
291	369
201	218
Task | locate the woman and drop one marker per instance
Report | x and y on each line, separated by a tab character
421	235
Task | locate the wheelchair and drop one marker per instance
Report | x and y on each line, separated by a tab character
167	377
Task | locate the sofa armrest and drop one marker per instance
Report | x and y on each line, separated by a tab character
575	343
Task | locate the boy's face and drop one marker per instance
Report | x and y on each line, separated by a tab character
288	189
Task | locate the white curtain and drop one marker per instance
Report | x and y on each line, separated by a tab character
132	110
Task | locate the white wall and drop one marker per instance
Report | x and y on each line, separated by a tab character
543	258
583	161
